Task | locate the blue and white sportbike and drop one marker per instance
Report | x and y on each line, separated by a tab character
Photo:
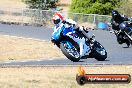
71	49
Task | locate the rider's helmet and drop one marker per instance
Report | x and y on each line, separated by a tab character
115	15
57	18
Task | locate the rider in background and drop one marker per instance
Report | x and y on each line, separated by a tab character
116	20
60	22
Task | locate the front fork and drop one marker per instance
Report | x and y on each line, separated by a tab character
129	37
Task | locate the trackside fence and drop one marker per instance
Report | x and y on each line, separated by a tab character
44	17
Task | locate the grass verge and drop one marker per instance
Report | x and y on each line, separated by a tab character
17	48
57	77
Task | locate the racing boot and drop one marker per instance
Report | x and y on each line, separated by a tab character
84	49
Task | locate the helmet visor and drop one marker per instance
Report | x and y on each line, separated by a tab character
56	21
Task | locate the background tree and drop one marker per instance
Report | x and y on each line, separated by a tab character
41	4
102	7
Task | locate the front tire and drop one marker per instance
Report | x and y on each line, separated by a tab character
120	38
66	51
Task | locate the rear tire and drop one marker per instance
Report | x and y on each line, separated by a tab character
99	52
70	57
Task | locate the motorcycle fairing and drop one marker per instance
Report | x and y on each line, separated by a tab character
57	32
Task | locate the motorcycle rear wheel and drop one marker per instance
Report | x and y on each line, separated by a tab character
99	52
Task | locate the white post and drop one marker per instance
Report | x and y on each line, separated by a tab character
94	20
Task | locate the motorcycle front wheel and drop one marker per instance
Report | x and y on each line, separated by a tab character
70	53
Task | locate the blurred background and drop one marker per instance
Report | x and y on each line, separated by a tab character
91	13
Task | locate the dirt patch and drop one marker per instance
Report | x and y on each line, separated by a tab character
64	5
16	48
11	4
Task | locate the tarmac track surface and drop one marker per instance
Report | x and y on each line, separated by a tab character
117	54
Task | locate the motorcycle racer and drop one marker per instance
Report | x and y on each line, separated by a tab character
60	22
116	20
